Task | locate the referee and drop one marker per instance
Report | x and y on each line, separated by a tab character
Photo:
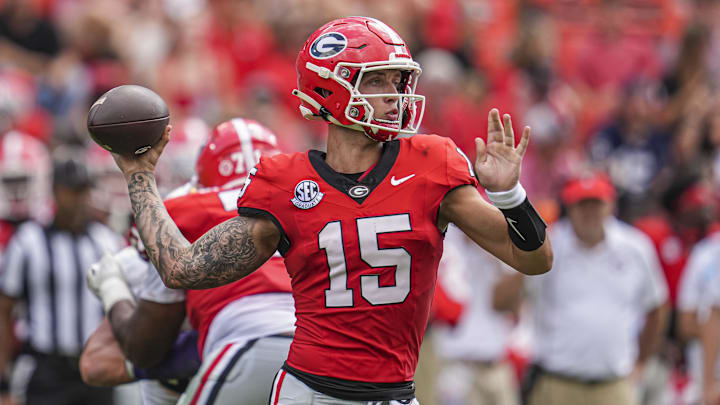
43	269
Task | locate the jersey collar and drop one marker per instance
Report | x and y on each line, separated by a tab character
343	184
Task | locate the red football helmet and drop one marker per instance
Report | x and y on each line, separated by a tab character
24	175
233	149
331	65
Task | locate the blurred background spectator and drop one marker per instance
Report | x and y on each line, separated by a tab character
599	315
476	300
628	86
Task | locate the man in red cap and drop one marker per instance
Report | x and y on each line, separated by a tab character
605	278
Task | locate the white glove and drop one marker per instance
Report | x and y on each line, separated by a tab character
106	280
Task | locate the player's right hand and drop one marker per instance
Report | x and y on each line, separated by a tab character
106	280
145	162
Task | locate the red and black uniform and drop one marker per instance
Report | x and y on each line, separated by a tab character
363	258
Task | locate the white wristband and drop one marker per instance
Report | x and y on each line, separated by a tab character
114	290
509	198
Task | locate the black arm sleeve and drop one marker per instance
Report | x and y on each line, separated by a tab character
525	226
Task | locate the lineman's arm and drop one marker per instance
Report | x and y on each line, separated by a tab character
102	363
227	252
136	328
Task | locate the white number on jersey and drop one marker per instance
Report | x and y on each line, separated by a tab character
330	239
247	181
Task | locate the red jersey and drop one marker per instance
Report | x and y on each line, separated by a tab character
194	215
362	255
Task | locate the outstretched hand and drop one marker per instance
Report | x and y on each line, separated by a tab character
145	162
498	163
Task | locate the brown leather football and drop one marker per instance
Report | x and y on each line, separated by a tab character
128	119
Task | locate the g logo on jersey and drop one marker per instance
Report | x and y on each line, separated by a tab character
358	191
328	45
307	194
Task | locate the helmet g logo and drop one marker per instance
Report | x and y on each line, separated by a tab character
328	45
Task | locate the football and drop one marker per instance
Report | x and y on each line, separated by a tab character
128	120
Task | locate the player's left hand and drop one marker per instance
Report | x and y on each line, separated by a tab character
145	162
498	163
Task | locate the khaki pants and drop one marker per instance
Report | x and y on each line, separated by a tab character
550	390
471	383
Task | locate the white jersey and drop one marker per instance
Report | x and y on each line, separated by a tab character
154	289
587	311
468	274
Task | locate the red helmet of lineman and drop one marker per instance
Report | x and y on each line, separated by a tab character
331	65
233	148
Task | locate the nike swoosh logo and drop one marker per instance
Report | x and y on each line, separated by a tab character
512	223
397	182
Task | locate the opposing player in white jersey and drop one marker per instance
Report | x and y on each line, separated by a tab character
244	328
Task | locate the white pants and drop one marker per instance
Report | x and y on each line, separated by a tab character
238	374
288	390
153	393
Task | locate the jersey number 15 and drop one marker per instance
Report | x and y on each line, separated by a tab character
330	239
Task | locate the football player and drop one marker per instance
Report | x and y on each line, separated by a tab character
244	328
360	226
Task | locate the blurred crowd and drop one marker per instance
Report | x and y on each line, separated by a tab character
629	87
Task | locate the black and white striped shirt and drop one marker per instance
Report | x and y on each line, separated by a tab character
45	267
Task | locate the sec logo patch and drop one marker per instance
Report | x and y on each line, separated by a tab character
307	194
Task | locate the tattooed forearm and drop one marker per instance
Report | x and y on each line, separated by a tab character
224	254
